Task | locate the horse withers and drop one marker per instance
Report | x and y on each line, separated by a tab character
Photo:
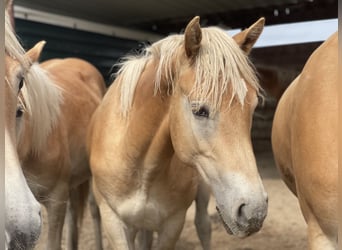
182	108
304	140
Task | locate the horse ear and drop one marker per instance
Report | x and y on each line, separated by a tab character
247	38
193	37
34	53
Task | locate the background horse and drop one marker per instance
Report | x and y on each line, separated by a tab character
304	140
183	107
55	160
23	221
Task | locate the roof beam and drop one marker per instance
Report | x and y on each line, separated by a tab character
80	24
277	14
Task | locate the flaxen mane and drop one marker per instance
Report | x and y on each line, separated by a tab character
219	63
12	46
40	97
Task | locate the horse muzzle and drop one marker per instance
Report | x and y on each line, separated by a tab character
23	234
20	240
245	219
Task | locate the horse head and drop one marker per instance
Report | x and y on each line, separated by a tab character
214	96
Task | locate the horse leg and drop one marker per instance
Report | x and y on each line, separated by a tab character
145	239
56	209
72	239
170	231
202	218
120	235
95	213
317	239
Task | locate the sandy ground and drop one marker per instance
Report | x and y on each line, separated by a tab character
284	227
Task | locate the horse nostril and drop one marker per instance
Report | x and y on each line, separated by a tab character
240	212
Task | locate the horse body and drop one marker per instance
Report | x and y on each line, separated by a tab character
147	146
57	164
304	139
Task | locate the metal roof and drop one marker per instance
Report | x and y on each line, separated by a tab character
167	16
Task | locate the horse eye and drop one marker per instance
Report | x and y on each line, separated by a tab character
19	112
201	112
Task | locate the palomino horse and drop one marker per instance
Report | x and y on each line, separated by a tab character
55	161
23	221
184	107
304	139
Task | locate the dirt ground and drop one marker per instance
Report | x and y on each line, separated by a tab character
284	227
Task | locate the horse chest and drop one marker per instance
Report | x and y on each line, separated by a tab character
142	212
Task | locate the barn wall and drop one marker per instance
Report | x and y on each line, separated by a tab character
277	67
100	50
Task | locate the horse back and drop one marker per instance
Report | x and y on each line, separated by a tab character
82	88
71	69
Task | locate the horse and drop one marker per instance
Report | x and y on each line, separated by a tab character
55	160
304	141
22	210
180	110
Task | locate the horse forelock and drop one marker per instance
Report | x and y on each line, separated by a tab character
219	63
41	98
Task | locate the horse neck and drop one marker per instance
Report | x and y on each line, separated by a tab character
148	130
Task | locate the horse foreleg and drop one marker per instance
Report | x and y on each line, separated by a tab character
144	240
202	218
170	231
120	235
56	209
317	239
322	233
95	213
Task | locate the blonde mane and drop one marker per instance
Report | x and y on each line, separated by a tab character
13	47
219	63
40	97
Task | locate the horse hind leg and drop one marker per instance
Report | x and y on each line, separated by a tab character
95	213
202	218
76	208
